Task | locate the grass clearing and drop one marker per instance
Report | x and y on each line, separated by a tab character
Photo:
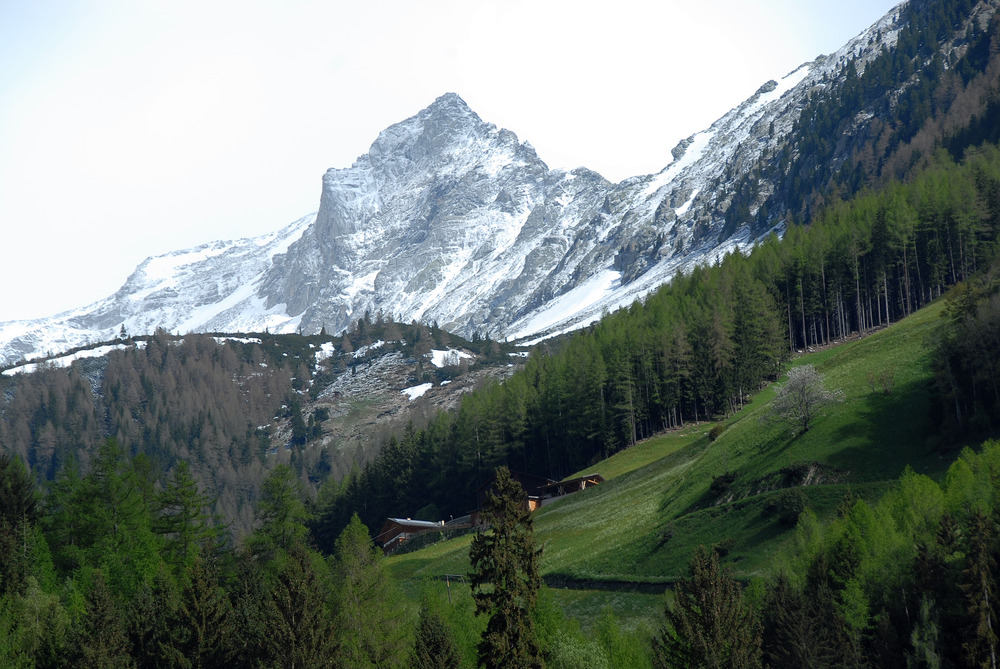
646	452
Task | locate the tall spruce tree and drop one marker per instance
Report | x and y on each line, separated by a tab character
433	646
297	619
18	515
281	516
979	586
201	624
505	578
181	519
250	625
368	614
100	640
710	624
150	617
796	628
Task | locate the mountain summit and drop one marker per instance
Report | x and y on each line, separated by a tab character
448	218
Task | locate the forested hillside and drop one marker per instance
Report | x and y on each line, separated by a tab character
231	407
697	348
194	400
936	87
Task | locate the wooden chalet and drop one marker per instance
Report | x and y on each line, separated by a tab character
540	491
395	531
560	488
531	484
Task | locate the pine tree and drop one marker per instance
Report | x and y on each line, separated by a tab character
201	626
250	626
433	646
18	514
150	618
298	623
505	579
709	625
979	586
796	630
101	641
368	618
181	519
281	516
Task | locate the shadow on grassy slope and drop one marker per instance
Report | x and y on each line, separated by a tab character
887	433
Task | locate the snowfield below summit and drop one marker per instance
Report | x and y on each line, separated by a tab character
416	391
450	358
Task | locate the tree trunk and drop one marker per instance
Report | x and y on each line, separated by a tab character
788	303
885	291
802	309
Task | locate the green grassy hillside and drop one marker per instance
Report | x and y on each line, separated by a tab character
621	543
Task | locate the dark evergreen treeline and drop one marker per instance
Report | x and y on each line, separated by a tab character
696	348
873	260
967	356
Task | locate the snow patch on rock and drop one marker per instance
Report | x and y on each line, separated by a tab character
449	358
414	392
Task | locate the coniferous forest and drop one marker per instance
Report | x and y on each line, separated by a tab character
109	571
113	554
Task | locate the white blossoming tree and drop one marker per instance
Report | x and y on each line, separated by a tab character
800	399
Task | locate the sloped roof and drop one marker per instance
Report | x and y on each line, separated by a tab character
577	479
427	524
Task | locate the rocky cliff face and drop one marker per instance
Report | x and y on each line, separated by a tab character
450	219
447	218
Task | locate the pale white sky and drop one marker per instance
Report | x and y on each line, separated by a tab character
131	128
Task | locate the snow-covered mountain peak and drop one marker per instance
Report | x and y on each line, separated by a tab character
451	105
448	218
432	138
441	185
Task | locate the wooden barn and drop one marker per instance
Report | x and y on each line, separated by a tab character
560	488
540	490
531	484
395	531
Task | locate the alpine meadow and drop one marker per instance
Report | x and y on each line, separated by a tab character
476	412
